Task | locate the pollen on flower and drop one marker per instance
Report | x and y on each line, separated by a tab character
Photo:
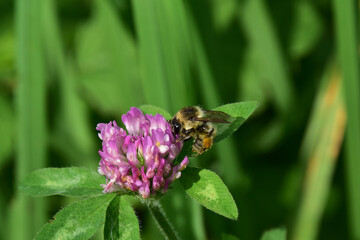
140	159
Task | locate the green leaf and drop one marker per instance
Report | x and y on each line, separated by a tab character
208	189
275	234
153	110
79	220
239	112
72	181
121	221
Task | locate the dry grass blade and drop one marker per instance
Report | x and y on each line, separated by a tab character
320	149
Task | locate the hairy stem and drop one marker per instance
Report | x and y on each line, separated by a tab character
163	223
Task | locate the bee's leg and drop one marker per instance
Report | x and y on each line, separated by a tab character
198	147
182	138
194	155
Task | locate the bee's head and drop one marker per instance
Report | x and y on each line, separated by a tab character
175	125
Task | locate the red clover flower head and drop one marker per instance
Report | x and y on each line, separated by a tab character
141	159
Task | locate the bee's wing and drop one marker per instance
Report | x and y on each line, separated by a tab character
215	117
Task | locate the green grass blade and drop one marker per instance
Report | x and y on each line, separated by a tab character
208	88
7	129
164	48
152	64
197	221
267	49
226	153
73	112
267	64
175	46
320	150
347	33
29	214
107	59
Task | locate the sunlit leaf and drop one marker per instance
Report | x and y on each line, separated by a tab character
121	221
79	220
239	112
208	189
72	181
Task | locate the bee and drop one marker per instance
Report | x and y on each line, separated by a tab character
194	122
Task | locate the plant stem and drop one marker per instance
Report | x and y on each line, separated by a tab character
163	223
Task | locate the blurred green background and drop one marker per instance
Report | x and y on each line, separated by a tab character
67	65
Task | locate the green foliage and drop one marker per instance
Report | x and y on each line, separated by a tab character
7	128
71	181
203	186
107	61
165	75
121	221
79	220
31	112
153	110
307	29
274	234
325	132
347	36
239	112
162	222
208	189
67	65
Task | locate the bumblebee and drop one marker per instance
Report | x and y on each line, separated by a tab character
194	122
